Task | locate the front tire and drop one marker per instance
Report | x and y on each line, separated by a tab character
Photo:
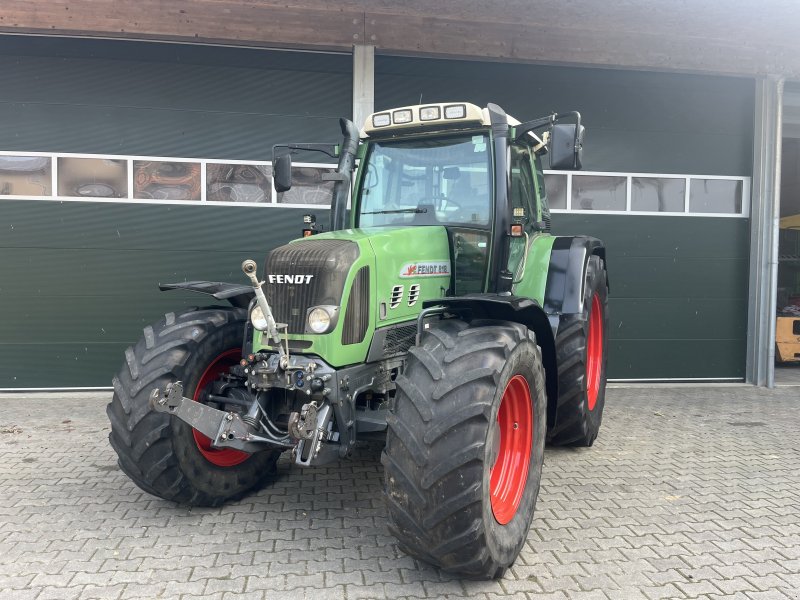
581	353
161	454
465	446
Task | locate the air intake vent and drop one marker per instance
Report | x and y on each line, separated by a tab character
356	318
413	294
399	339
397	296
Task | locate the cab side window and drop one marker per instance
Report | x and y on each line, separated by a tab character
523	196
523	190
541	192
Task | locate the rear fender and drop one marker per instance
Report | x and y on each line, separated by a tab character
238	295
566	275
519	310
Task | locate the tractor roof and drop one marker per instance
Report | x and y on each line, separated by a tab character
441	116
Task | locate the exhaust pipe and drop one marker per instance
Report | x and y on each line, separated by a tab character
347	162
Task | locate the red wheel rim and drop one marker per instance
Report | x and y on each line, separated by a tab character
509	474
594	352
221	457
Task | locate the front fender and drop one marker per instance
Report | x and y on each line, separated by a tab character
238	295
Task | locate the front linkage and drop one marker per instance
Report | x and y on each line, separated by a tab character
252	429
309	431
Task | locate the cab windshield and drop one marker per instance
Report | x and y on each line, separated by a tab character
441	181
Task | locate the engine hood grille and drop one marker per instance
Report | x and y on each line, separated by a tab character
305	274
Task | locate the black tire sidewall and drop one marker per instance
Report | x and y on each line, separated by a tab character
595	284
205	476
506	541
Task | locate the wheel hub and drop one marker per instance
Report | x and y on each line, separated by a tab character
594	352
509	474
221	457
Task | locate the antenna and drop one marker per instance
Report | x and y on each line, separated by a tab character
420	98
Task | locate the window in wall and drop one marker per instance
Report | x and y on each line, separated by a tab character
125	178
555	185
238	183
308	186
643	193
92	177
658	194
166	180
715	196
599	192
25	176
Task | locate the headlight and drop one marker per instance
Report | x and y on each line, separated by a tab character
319	320
258	319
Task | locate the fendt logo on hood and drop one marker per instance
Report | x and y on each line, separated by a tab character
289	278
435	268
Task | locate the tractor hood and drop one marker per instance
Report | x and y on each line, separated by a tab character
367	279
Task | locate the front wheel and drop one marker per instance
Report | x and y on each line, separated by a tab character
161	454
465	446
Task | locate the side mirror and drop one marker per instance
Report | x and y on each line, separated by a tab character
282	173
566	147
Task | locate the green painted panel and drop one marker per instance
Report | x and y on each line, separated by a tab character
109	319
678	301
262	88
131	226
115	97
692	319
670	277
99	272
78	280
661	236
636	121
676	359
45	365
158	132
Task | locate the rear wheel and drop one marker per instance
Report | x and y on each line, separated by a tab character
465	445
161	454
581	352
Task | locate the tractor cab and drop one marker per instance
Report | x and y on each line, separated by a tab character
476	172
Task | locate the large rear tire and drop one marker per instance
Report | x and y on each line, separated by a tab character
161	454
465	445
581	352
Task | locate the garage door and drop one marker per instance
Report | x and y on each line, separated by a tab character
146	163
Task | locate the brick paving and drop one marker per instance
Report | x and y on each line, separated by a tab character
690	492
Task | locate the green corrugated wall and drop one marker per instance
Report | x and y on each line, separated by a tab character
78	279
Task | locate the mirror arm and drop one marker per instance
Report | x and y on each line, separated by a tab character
547	121
331	150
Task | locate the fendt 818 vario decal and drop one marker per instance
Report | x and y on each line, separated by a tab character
437	312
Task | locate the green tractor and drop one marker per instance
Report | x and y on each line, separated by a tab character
437	313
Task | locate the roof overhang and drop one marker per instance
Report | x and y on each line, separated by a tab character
734	37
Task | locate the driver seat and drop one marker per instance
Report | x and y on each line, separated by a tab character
465	196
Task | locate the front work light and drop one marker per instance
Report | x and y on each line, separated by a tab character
455	111
402	116
381	120
258	319
429	113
